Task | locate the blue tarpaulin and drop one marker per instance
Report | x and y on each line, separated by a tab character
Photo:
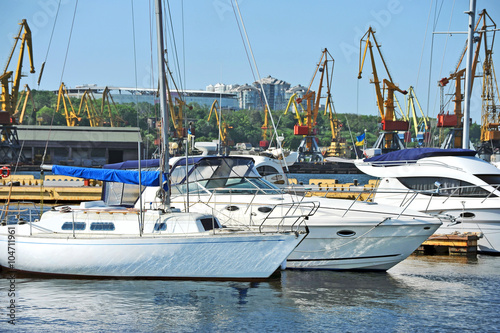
418	153
148	178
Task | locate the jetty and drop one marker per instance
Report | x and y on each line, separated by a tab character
51	188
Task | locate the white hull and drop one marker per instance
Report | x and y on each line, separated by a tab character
364	239
175	257
478	212
376	248
179	252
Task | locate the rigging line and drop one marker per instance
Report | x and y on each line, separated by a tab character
183	45
243	39
260	82
176	56
50	42
60	82
135	60
69	42
423	46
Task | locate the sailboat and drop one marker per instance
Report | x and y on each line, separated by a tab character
96	239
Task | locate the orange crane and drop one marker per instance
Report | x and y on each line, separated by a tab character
306	124
455	120
385	104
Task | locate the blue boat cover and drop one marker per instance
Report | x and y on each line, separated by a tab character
134	164
148	178
415	154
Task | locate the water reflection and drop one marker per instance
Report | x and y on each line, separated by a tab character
420	294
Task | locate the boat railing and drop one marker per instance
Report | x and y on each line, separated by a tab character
21	212
292	214
296	213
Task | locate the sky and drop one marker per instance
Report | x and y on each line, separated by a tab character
95	44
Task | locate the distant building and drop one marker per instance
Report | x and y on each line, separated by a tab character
79	145
299	90
275	91
122	95
248	97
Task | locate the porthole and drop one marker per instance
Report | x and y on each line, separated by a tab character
467	215
427	228
264	209
346	233
73	226
232	208
102	226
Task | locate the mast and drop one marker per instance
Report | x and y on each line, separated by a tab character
163	98
468	74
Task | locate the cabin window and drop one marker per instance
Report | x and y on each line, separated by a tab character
493	180
102	226
120	194
448	187
210	223
267	170
162	226
73	226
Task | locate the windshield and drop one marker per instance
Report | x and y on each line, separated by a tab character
228	185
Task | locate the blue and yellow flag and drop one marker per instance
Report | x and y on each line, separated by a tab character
360	139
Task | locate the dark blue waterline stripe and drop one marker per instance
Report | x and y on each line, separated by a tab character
334	259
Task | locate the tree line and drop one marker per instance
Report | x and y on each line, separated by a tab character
243	125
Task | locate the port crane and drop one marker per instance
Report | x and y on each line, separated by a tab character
421	126
388	139
222	124
455	121
10	149
307	117
24	96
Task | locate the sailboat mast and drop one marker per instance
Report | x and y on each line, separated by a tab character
468	75
163	95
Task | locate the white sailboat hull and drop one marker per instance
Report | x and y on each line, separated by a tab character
215	254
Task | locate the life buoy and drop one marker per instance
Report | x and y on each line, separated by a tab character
5	172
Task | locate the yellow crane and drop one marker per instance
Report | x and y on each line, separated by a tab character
23	98
8	98
421	126
385	104
72	118
223	126
88	104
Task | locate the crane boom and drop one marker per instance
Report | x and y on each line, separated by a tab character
385	106
8	98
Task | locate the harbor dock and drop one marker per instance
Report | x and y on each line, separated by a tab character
53	189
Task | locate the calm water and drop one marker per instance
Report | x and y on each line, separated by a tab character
421	294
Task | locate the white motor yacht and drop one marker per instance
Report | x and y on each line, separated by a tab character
442	181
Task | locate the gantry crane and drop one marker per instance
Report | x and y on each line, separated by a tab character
23	98
388	139
455	120
10	149
72	117
306	124
421	126
222	124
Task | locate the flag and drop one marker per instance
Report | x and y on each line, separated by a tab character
360	139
